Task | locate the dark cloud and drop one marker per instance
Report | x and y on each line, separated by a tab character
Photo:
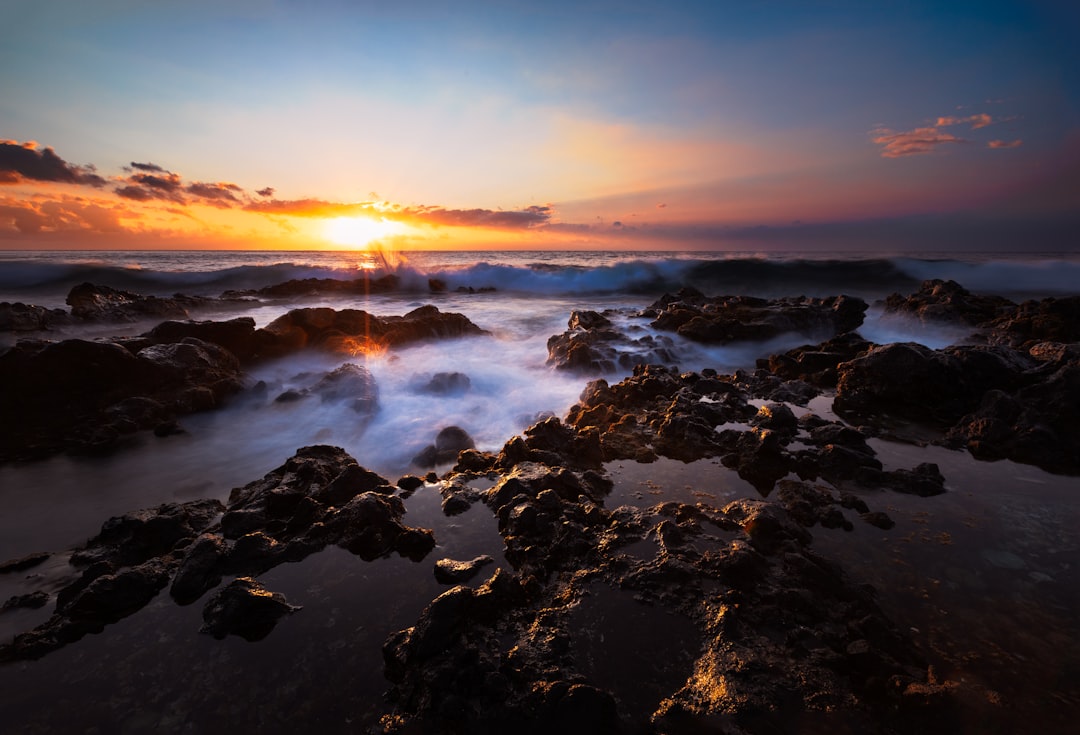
23	161
143	187
136	193
219	194
267	192
533	216
150	167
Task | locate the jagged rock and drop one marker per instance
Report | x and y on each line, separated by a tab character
235	335
448	571
948	302
85	396
91	302
245	608
449	442
726	319
355	332
351	383
20	317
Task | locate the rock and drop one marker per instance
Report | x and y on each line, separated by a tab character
911	381
592	346
246	609
449	442
1032	322
448	571
24	562
725	319
20	317
313	286
90	302
84	396
235	335
30	601
200	569
948	302
352	384
445	384
817	364
355	332
141	535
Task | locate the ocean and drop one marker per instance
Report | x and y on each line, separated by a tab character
986	577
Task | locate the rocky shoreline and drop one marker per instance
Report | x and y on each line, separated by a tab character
742	626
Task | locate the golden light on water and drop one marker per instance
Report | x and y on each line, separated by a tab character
360	232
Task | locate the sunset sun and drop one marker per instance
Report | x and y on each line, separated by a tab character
359	232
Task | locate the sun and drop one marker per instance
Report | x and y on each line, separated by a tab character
359	232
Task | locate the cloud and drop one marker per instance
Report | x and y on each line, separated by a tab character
267	192
66	214
219	194
911	142
533	216
529	217
980	120
150	167
23	161
1005	143
166	186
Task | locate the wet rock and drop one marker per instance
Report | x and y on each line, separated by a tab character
24	562
235	335
85	396
725	319
445	384
29	601
90	302
144	534
20	317
911	381
352	384
448	571
355	332
593	346
246	609
526	654
948	302
817	364
313	286
1032	322
449	442
200	569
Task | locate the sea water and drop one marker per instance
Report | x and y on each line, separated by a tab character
521	299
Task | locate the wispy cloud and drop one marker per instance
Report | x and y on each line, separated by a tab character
926	139
25	162
980	120
912	142
1005	143
528	217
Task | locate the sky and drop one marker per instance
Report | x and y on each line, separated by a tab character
899	126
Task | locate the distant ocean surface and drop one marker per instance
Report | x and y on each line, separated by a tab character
45	277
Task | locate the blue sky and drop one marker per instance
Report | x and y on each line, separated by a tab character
697	121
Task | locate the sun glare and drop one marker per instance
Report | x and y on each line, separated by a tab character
359	232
